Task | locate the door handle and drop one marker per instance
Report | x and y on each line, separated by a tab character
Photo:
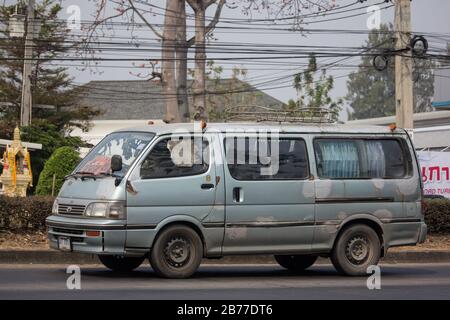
238	195
207	186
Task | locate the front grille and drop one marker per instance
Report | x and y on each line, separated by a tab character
70	209
74	235
68	231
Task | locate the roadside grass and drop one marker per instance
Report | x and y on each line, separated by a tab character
23	241
433	243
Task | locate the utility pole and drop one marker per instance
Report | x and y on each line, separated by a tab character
27	102
403	66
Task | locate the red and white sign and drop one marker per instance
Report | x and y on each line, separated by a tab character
435	168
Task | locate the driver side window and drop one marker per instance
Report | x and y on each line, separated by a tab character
171	158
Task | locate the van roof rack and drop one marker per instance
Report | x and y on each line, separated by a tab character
266	114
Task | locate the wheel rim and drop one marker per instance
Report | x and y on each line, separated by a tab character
358	250
177	252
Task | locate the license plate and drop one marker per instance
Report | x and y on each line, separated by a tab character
64	244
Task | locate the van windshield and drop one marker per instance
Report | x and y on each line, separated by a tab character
128	145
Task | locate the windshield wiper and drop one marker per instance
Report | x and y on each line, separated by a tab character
82	175
89	175
107	174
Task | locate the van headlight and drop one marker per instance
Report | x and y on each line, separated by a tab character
109	210
55	207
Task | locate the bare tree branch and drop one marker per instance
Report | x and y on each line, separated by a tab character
98	22
212	23
194	4
209	3
156	32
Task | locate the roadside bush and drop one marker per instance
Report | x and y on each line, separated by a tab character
61	163
22	214
51	137
437	216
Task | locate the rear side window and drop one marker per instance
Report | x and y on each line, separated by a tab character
361	158
338	159
170	158
258	159
386	159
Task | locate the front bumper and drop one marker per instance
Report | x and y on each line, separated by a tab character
110	239
423	232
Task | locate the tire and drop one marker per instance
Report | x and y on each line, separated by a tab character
177	252
120	263
357	248
296	263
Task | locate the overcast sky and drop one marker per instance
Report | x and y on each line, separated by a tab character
427	16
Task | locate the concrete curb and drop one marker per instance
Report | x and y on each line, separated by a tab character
56	257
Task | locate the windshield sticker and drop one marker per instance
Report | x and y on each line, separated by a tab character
98	165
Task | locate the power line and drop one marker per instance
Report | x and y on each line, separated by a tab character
237	20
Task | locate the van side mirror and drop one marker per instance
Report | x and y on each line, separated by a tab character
116	163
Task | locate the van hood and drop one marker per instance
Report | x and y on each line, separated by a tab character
100	189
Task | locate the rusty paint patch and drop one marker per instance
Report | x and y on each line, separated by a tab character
308	190
131	189
378	185
342	215
323	189
407	188
383	214
236	233
328	228
265	219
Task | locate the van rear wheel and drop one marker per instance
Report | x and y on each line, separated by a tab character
120	263
357	248
177	252
296	263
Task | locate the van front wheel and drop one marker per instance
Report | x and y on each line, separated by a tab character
357	248
177	252
120	263
296	263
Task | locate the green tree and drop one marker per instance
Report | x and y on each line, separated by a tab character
314	92
371	93
61	163
51	85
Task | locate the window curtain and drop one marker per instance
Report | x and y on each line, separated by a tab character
339	159
376	164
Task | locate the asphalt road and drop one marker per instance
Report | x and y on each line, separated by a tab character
268	282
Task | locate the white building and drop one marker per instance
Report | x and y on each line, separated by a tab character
431	129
